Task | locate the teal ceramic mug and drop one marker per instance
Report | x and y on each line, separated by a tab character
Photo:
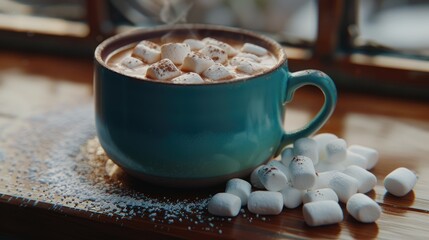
199	134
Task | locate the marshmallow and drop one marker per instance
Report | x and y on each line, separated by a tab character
363	208
194	44
287	156
306	147
188	78
254	49
322	140
235	61
366	179
147	51
225	46
366	152
249	56
249	67
131	63
343	185
302	173
216	53
292	197
254	178
217	72
239	188
272	178
336	151
224	205
265	203
400	181
196	62
176	52
162	70
327	166
322	194
279	165
322	213
355	159
323	179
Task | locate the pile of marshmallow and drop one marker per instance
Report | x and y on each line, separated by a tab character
318	172
208	58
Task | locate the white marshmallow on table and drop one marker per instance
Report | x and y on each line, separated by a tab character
366	179
370	154
322	194
194	44
188	78
272	178
323	166
363	208
239	188
254	178
400	181
265	203
254	49
343	185
323	179
306	147
322	213
301	172
163	70
250	56
231	51
249	67
355	159
176	52
217	54
224	205
322	140
196	62
287	156
131	62
217	72
280	166
292	197
147	51
336	151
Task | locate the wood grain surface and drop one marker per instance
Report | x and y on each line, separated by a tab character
32	84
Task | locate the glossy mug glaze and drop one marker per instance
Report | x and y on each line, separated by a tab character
199	134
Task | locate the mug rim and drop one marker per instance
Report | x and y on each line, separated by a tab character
282	57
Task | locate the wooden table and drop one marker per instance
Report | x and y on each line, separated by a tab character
32	84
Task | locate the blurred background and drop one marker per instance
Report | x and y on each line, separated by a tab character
365	45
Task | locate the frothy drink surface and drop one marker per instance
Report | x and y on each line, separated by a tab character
192	60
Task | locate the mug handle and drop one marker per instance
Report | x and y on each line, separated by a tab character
326	85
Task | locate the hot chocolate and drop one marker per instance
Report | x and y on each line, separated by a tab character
192	60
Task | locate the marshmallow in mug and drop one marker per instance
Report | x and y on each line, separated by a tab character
147	51
188	78
163	70
131	62
196	62
176	52
217	72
